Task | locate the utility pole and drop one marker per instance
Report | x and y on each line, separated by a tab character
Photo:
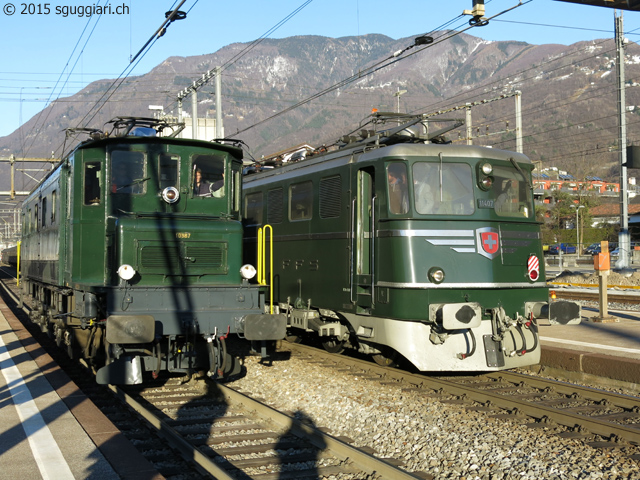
623	236
219	131
519	148
194	112
469	126
192	90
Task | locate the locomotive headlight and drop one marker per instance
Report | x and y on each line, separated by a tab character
436	275
126	272
170	195
248	271
487	168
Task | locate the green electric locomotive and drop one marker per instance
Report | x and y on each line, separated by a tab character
131	254
399	244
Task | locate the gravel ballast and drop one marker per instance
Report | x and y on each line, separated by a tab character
444	440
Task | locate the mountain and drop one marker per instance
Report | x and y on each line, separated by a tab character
568	94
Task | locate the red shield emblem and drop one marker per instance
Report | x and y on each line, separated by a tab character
488	242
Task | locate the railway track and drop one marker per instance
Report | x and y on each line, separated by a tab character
591	294
600	418
224	434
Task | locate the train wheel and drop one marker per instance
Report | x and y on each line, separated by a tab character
333	346
293	338
386	359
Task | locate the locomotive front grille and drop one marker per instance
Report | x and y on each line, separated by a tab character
209	256
183	259
159	257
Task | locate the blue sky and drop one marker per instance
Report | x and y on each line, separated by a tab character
38	51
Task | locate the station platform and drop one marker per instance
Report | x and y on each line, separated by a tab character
48	428
607	350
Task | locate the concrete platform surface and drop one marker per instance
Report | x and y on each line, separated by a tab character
608	350
48	428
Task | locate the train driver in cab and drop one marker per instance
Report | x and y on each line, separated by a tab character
203	188
200	186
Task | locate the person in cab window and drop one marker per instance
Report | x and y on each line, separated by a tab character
398	194
200	186
507	199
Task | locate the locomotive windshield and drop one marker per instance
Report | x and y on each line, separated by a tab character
207	175
511	192
128	172
443	188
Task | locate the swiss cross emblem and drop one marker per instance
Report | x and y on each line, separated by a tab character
488	241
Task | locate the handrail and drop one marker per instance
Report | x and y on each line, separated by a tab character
18	263
260	265
262	238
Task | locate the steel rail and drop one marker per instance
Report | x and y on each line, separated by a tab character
561	417
624	401
593	296
189	451
358	459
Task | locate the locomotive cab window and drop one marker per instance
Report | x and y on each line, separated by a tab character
207	178
511	193
398	188
443	188
128	172
92	190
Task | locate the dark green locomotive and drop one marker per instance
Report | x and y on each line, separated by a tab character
394	244
131	254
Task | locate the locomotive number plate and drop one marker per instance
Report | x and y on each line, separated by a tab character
183	235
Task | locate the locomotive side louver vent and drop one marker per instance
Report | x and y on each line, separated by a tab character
275	206
330	195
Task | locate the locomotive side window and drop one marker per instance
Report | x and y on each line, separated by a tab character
275	204
53	207
168	174
330	197
253	208
443	188
398	188
300	201
511	192
92	183
207	175
128	172
44	212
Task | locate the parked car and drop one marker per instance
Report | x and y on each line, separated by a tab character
595	248
592	249
565	247
616	251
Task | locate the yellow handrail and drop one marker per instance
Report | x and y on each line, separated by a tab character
262	280
260	265
18	264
